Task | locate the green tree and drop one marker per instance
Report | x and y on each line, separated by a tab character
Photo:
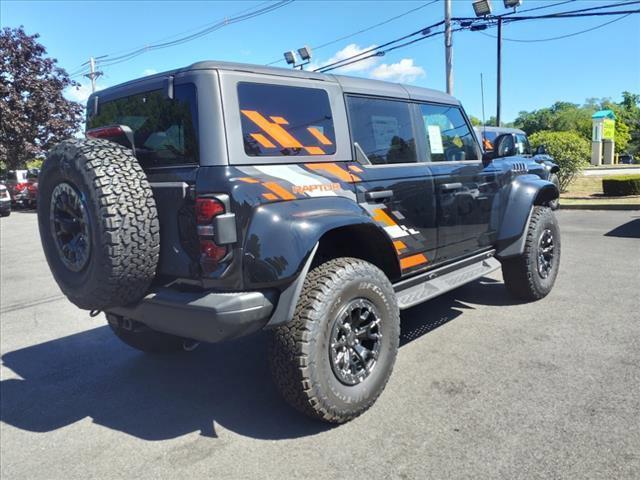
35	115
570	150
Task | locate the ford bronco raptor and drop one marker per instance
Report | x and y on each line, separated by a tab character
213	201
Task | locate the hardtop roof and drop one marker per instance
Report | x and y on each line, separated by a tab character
349	84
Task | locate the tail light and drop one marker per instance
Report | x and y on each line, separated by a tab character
105	132
32	187
207	209
21	186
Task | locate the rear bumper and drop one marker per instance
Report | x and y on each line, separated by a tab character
5	206
202	316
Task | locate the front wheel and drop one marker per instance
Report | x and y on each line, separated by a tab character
334	358
532	274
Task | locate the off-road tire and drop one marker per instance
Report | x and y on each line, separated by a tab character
299	351
143	338
5	214
520	273
554	204
123	221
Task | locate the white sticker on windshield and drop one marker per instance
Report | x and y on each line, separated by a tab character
435	139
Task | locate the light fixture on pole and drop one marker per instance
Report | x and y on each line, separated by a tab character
482	8
292	58
512	3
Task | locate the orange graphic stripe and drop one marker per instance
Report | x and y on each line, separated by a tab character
279	191
279	120
319	136
262	140
333	169
355	168
399	246
314	150
278	133
381	216
412	261
248	180
270	196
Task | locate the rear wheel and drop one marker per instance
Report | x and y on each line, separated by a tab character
143	338
531	275
334	358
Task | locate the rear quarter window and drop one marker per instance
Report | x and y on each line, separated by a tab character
164	129
279	120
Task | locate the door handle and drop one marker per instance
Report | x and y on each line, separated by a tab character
378	195
451	186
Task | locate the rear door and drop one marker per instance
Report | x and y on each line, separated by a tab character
465	190
393	186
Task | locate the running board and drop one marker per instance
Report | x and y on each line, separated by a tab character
436	282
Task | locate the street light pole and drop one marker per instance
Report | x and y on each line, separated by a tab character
499	79
448	46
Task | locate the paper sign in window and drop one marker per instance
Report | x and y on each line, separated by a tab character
435	139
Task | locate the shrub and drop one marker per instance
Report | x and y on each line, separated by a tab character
570	151
621	185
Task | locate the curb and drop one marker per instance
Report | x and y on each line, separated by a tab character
602	206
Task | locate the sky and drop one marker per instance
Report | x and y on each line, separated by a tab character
601	63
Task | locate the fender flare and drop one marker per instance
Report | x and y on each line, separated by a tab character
526	191
281	241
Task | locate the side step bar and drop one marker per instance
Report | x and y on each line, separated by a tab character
430	284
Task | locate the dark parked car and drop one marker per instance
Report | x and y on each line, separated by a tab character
518	138
5	201
221	199
625	158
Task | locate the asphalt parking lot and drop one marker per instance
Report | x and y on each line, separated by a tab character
483	387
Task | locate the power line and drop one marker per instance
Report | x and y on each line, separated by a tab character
371	27
336	64
561	36
378	51
201	33
557	4
110	61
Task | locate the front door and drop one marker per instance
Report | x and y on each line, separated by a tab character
465	189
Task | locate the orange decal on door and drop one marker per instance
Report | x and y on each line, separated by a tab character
413	261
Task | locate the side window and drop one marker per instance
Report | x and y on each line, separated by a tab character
383	129
164	130
449	137
280	120
522	144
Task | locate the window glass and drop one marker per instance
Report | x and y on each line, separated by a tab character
164	129
448	135
522	144
383	129
281	120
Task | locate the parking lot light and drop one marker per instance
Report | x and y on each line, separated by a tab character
482	8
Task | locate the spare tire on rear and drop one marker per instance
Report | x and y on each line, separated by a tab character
98	223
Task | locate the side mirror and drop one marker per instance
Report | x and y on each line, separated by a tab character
541	150
487	158
505	145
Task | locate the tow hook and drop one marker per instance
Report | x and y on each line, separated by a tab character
189	345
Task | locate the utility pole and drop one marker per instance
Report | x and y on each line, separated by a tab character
93	74
499	76
448	46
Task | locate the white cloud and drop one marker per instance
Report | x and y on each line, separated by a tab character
81	93
403	72
149	71
350	50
